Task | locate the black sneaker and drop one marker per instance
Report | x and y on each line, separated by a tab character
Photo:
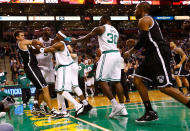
40	114
148	116
79	110
35	109
46	110
87	108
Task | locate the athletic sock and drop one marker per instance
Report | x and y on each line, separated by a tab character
188	104
85	102
114	102
148	106
62	102
68	96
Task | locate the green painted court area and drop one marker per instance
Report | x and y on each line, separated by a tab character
173	116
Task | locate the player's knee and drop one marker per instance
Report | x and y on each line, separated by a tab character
78	91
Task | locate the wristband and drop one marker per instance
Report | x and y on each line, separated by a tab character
42	50
67	39
60	33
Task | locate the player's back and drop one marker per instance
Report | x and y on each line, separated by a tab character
108	40
63	57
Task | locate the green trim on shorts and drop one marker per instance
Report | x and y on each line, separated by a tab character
74	86
109	51
108	80
59	66
102	66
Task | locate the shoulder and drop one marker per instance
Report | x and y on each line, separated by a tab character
145	19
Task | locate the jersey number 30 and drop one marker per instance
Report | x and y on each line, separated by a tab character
112	38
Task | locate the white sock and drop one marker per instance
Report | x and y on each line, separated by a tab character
86	90
68	96
58	100
114	102
85	102
91	90
62	102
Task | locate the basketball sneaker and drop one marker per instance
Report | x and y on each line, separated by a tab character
87	108
35	109
79	109
63	114
123	112
115	109
148	116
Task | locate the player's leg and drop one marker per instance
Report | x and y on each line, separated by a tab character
179	83
150	114
24	96
109	69
176	94
64	85
186	84
76	88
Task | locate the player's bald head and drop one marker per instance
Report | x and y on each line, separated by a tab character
145	6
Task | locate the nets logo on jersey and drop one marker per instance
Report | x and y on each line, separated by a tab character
160	79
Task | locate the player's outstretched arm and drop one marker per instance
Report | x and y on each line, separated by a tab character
96	31
55	47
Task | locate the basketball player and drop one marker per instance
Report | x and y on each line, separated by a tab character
109	65
45	64
64	79
179	70
156	65
90	76
32	70
75	84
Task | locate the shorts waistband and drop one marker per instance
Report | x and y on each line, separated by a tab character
59	66
109	51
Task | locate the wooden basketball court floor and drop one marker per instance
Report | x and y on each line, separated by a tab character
173	116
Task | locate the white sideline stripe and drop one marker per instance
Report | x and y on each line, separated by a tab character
92	124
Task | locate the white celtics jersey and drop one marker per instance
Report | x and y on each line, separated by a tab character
45	59
63	57
108	40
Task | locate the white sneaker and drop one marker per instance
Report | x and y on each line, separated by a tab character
123	112
79	109
115	109
60	115
65	114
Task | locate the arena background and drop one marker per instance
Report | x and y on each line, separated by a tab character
77	18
